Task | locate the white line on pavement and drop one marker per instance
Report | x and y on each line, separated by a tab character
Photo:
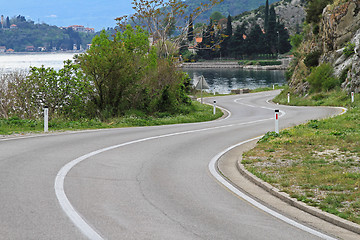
223	181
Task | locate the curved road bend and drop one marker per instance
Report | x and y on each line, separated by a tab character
154	184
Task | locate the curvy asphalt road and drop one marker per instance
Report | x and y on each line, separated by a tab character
140	183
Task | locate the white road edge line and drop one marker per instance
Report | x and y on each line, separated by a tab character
67	207
223	181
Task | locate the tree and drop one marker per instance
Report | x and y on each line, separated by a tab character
255	41
238	43
271	34
266	19
225	45
152	15
127	74
7	23
190	34
216	16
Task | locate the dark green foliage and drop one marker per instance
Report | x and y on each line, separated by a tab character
266	18
296	40
128	76
248	43
28	33
349	49
312	59
227	7
191	30
322	78
314	9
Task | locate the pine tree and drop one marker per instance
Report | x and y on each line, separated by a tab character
7	22
238	43
225	44
266	20
271	33
190	30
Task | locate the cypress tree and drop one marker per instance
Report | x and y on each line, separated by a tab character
7	22
190	30
266	23
271	34
226	43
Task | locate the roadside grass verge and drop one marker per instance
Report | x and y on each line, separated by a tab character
195	112
318	162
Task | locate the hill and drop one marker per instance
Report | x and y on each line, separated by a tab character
227	7
290	12
23	35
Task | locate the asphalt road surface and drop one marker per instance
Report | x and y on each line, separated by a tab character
140	183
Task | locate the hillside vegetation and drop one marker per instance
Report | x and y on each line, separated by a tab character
27	33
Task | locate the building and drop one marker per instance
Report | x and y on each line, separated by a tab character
29	48
13	26
80	28
10	50
2	49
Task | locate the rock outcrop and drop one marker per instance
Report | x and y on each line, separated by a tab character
290	12
340	28
339	42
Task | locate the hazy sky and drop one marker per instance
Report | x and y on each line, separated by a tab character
90	13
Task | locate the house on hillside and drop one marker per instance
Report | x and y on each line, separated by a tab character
2	49
198	40
10	50
29	48
13	26
90	30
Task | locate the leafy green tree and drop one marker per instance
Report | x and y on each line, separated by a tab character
216	16
153	15
127	75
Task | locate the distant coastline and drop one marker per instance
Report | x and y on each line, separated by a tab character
235	64
35	53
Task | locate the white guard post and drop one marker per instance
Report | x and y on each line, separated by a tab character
214	110
352	97
288	97
277	121
46	119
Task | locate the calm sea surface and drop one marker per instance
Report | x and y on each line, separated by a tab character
219	80
16	62
225	79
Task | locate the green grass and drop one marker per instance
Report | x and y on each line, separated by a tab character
196	112
318	162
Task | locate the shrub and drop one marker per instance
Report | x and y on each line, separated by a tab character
349	49
312	59
322	78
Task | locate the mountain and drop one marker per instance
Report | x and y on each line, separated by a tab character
101	14
227	7
290	12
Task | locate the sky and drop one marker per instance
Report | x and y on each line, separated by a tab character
98	14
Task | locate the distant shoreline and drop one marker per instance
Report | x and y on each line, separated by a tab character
232	64
34	53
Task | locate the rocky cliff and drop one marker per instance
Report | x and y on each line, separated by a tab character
338	42
290	12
